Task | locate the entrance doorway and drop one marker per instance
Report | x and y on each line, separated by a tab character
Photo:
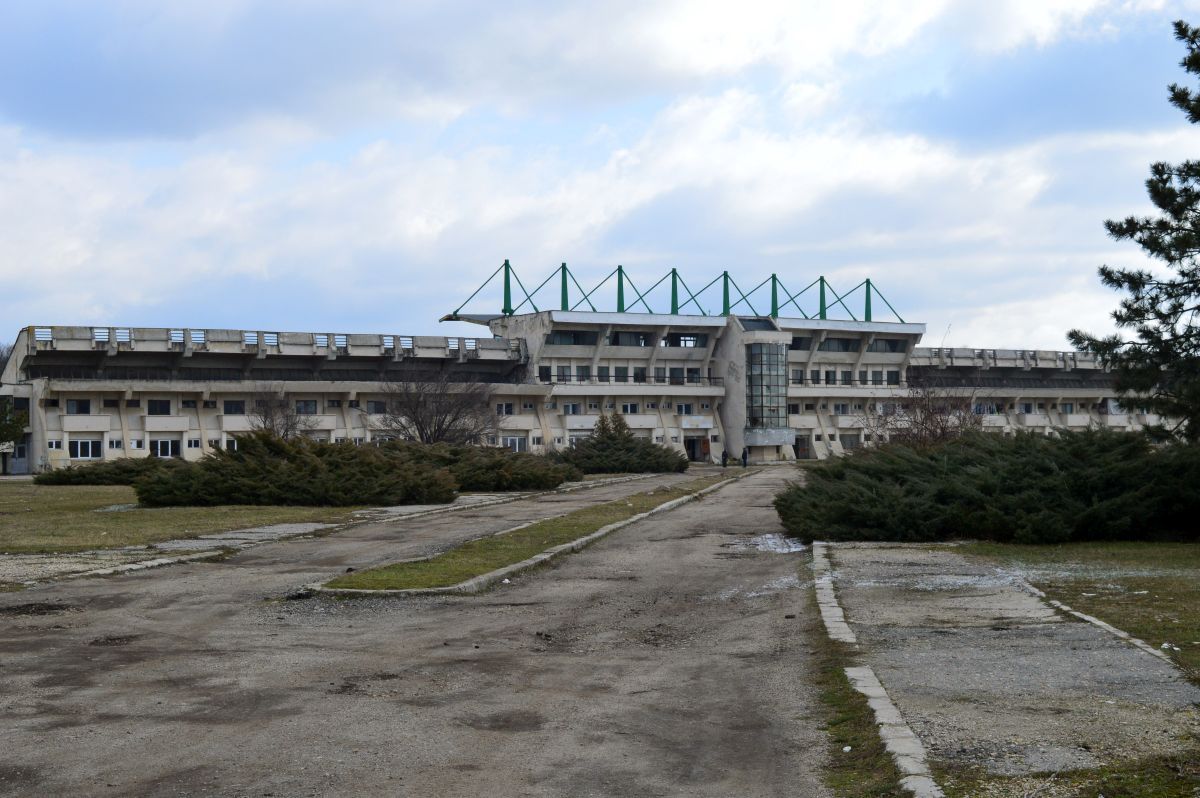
697	449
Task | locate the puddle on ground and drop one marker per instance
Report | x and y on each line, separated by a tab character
771	542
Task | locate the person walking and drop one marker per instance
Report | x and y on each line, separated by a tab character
745	456
724	457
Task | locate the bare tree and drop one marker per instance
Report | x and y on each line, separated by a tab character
928	414
435	409
6	350
272	411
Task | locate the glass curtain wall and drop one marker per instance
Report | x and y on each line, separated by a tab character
766	385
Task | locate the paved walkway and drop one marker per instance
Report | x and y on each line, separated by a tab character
989	675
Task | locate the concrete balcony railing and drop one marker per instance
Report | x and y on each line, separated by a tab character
1033	419
641	420
695	422
578	421
1116	420
166	423
995	421
236	424
98	423
1077	419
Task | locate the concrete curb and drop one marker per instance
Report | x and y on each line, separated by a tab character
898	737
450	508
483	581
210	554
1114	631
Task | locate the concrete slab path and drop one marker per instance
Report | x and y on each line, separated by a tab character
988	674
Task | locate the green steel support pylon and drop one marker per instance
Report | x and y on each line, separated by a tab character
823	307
867	308
774	297
507	310
674	292
724	293
620	288
566	299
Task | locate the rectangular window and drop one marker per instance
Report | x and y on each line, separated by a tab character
164	448
892	345
544	373
839	345
629	339
358	441
210	404
564	373
593	405
794	409
660	373
877	378
214	443
188	404
830	377
797	376
847	377
537	440
235	407
862	377
353	404
602	373
629	407
53	444
651	405
137	443
1068	407
801	343
158	407
376	407
582	374
112	402
622	373
84	450
193	443
683	409
571	338
841	409
333	403
639	373
504	408
231	444
527	405
893	378
814	377
515	443
306	407
133	404
572	409
79	407
50	403
115	443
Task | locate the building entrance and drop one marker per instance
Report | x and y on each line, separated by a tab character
697	449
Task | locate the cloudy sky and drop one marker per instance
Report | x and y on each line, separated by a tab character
318	165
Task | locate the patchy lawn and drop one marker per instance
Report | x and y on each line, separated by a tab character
1151	590
64	518
486	554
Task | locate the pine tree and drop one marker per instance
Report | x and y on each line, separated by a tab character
1159	364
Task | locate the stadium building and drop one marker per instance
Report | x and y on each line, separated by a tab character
779	386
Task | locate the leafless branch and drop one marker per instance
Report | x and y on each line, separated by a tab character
435	409
274	412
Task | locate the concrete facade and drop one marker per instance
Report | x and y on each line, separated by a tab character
781	388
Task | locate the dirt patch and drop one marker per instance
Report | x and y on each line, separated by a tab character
516	720
113	640
37	608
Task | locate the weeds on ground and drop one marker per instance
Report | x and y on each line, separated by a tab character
1151	590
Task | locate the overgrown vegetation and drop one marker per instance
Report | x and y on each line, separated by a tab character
612	448
496	551
1095	485
476	468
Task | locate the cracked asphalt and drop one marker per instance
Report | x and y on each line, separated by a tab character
667	659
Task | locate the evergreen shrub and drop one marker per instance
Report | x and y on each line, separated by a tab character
113	472
1027	488
612	448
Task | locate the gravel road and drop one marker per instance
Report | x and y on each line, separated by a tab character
660	661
